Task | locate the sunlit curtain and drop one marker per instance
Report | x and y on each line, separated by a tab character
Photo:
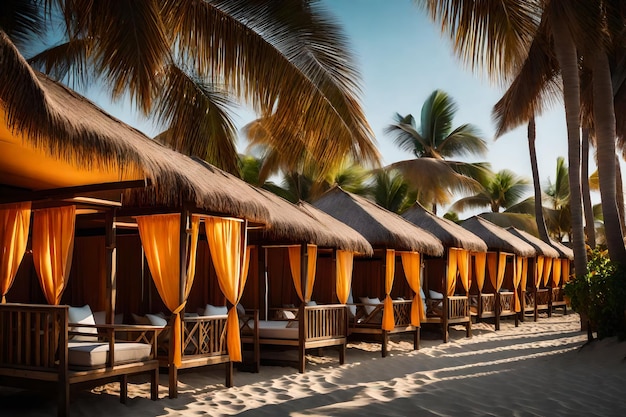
556	273
452	271
296	270
160	238
501	269
539	270
14	225
231	258
492	266
524	280
412	268
480	261
547	268
390	270
53	247
344	274
462	261
565	270
517	278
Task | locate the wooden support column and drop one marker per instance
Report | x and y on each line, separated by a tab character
444	290
110	265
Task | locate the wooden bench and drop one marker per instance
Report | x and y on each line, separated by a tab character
365	322
37	351
318	326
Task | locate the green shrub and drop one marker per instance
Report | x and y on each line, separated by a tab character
600	295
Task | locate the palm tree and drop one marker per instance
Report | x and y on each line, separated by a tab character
431	143
185	63
22	21
502	191
391	191
558	197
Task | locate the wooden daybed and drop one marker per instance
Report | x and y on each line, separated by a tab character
37	351
368	319
315	326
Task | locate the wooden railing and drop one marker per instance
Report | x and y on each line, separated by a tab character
543	297
30	336
458	307
557	295
324	321
507	302
401	314
488	303
529	299
204	336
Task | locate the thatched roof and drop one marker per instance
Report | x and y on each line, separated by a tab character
382	228
497	238
449	233
564	251
288	222
541	247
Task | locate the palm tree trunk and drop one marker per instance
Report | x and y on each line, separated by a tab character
590	230
541	223
604	117
619	194
568	61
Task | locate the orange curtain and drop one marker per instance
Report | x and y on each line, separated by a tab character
492	265
231	258
480	260
296	271
547	268
517	278
462	262
53	247
344	274
539	270
14	225
411	264
390	270
452	271
556	273
160	238
565	270
501	268
524	281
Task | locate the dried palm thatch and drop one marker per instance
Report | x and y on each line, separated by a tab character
541	247
357	240
449	233
382	228
564	251
497	238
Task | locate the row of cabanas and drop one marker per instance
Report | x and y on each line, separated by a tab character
130	226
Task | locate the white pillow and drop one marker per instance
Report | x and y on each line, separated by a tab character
434	295
100	317
351	306
156	320
241	310
311	303
82	315
286	314
211	310
370	308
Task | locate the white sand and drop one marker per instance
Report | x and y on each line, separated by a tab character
535	369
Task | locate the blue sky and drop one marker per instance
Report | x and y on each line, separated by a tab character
403	58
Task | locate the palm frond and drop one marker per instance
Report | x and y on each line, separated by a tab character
525	222
436	118
464	140
22	21
67	61
477	201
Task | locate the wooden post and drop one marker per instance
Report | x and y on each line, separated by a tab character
444	290
110	262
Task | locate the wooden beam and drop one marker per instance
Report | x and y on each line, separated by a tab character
110	265
71	192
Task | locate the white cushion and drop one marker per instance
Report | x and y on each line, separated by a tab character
86	354
286	314
435	295
351	306
311	303
211	310
241	310
82	315
100	317
372	305
156	320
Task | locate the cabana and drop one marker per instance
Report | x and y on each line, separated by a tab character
498	296
390	235
58	149
447	276
566	256
301	239
534	298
